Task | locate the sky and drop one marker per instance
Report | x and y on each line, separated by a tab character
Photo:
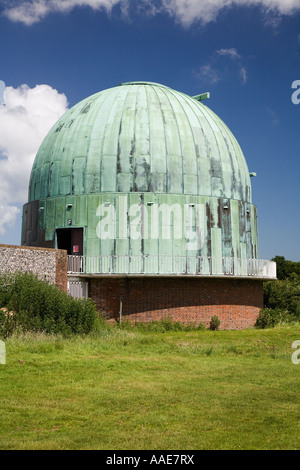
246	53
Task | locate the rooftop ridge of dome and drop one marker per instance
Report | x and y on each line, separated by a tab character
199	97
142	82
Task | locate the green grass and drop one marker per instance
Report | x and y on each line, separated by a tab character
133	389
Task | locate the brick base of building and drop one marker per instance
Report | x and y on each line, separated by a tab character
236	302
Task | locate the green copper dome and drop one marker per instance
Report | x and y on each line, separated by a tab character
140	137
140	174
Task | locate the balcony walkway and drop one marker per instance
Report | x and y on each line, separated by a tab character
121	266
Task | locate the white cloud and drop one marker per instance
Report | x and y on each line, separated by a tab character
8	216
27	116
184	11
243	74
189	11
33	11
231	52
208	74
273	20
212	72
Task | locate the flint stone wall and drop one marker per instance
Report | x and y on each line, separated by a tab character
47	263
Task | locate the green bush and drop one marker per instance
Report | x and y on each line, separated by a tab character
29	304
281	297
270	317
214	323
283	294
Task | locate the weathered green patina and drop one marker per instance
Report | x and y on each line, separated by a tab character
140	138
144	170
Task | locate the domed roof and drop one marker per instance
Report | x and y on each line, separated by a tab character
140	137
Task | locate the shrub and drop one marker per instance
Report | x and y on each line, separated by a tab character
214	323
283	294
34	305
270	317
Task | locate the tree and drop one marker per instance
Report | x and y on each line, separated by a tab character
285	267
283	294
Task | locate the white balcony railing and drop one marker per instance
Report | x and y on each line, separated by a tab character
171	265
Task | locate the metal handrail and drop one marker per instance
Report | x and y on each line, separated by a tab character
172	265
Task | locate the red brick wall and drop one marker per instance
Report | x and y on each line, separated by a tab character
61	269
236	302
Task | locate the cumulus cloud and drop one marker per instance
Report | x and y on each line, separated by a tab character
25	119
33	11
184	11
188	11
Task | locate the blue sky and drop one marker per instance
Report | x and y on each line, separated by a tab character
247	55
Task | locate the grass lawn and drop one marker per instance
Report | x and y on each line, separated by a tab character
128	389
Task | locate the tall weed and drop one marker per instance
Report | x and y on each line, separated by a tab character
30	304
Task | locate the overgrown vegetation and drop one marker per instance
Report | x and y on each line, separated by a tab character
30	304
281	297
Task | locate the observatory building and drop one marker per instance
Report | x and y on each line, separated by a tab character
150	194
